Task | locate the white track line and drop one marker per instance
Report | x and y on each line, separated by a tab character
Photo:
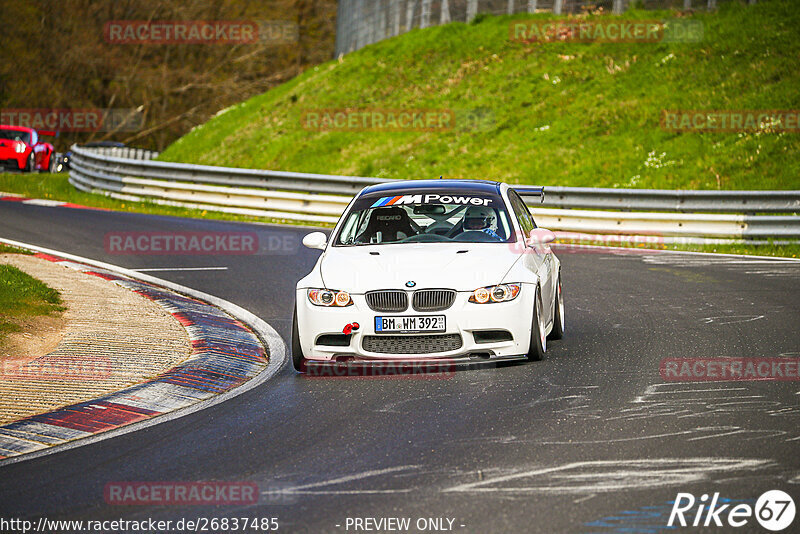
267	334
157	269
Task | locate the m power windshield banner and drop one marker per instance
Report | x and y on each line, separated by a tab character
431	198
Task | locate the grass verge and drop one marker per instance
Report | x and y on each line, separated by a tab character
8	249
552	113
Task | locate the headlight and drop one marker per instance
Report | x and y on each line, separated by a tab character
499	293
329	297
19	147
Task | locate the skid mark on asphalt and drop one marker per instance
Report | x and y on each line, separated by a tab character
731	319
724	431
678	401
611	475
393	407
776	268
577	403
692	400
584	479
685	401
311	488
547	392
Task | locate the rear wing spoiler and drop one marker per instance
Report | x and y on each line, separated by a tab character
530	191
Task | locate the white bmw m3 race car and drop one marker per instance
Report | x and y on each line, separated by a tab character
440	270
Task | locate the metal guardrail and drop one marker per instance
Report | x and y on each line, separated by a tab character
125	152
322	198
682	201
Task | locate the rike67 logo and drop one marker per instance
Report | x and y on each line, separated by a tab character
774	510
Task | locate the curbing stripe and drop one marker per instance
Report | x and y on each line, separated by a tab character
227	359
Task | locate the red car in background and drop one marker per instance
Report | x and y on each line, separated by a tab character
21	149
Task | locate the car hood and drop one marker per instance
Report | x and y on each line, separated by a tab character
459	266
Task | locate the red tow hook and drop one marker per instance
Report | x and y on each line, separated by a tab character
350	328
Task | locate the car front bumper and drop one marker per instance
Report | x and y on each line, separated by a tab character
476	324
13	163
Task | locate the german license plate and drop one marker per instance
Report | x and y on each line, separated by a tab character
408	324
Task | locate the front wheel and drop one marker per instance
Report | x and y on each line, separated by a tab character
538	344
30	165
558	315
52	168
298	360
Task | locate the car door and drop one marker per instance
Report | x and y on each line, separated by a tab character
538	258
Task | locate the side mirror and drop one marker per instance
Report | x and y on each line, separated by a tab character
540	236
316	240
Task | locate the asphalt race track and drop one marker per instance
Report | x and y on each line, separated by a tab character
590	440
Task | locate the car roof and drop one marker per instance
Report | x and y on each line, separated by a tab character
16	128
474	186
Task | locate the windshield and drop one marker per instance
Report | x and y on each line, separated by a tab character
426	218
16	135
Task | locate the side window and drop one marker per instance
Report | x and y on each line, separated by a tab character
521	211
34	139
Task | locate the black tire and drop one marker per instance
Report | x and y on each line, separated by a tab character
53	164
298	360
558	315
30	165
538	344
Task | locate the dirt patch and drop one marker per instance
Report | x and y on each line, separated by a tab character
39	335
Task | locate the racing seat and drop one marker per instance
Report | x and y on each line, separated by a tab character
392	222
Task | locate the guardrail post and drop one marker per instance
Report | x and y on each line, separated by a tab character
410	14
532	5
558	6
444	15
425	14
472	10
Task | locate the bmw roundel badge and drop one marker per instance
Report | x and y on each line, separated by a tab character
411	283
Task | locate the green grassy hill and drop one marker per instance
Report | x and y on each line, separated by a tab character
550	113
